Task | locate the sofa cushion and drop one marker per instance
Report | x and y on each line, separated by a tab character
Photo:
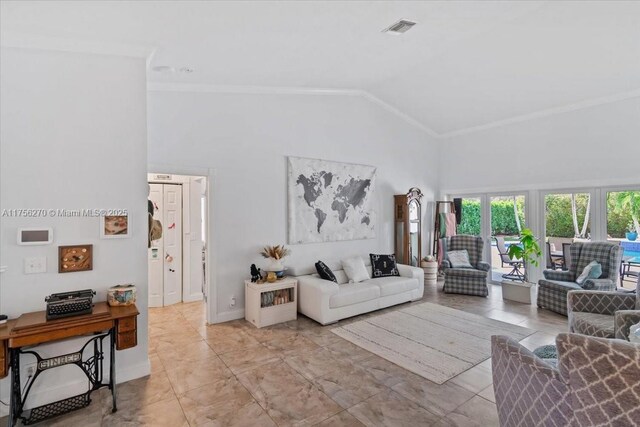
383	265
557	285
354	293
394	285
355	269
593	324
325	272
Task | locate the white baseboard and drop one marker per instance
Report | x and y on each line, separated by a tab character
193	298
228	316
46	395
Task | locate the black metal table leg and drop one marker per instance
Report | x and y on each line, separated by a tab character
15	404
112	369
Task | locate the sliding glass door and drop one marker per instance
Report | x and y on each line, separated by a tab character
471	218
507	213
567	219
623	227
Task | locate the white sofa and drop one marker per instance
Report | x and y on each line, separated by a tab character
327	302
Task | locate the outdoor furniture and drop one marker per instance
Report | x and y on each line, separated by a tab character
553	261
604	314
466	281
515	273
553	289
625	268
566	255
594	384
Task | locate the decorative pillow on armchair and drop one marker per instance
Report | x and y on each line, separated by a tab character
593	270
459	259
383	265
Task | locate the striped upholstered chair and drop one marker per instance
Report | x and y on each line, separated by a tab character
595	383
467	281
553	289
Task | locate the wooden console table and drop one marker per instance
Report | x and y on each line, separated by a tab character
17	337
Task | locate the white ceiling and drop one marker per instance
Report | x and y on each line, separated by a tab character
465	65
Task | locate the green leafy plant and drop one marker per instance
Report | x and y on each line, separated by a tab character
528	251
630	202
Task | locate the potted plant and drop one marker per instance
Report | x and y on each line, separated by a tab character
274	255
528	251
631	233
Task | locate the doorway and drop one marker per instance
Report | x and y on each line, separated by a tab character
177	255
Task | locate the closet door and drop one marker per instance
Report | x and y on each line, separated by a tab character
172	237
156	251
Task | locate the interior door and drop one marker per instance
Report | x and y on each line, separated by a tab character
156	251
172	237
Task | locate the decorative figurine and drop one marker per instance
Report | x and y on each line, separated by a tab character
255	274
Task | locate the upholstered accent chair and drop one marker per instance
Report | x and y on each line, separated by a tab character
595	383
604	314
467	281
553	289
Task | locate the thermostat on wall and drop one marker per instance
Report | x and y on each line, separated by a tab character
35	236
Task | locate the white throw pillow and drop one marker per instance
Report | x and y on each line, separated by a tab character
593	270
355	269
459	259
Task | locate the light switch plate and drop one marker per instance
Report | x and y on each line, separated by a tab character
35	265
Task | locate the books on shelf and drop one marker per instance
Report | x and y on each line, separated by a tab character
277	297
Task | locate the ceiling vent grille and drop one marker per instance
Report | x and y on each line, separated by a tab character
402	26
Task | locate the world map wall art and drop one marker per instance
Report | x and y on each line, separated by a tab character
330	201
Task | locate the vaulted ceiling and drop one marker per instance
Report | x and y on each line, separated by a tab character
465	64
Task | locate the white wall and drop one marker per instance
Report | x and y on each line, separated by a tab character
245	139
594	146
73	136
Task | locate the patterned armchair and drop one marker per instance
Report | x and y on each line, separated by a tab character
553	289
595	383
467	281
604	314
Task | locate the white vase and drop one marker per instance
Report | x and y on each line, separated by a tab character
274	265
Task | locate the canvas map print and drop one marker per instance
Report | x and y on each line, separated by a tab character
330	201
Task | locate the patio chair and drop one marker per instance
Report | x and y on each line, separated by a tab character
551	263
604	314
566	254
466	281
553	289
595	383
515	273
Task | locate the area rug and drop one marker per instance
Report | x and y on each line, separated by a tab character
431	340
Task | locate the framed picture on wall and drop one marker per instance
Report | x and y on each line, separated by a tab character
115	227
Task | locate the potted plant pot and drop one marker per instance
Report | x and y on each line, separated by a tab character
631	236
517	291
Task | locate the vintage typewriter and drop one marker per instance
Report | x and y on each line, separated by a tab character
67	304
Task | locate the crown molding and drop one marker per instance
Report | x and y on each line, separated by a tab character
31	41
545	113
407	118
252	90
280	90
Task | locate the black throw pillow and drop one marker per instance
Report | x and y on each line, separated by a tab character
325	272
383	266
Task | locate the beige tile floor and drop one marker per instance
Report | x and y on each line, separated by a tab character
299	373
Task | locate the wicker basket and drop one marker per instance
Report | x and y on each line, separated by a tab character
121	295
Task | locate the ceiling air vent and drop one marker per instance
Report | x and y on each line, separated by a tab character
402	26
